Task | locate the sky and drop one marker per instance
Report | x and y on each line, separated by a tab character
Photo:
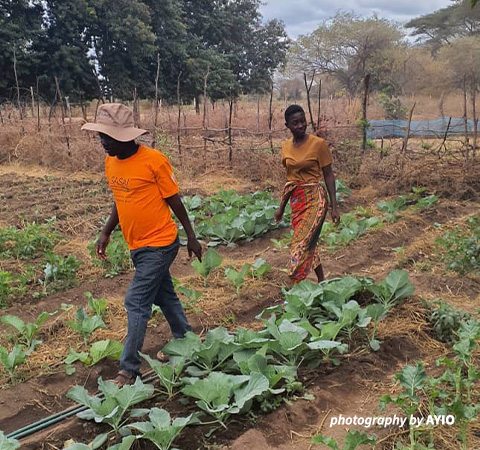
304	16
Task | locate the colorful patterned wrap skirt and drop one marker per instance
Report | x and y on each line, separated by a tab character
309	207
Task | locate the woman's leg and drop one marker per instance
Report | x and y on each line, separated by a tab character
319	273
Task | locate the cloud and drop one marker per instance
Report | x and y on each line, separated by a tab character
304	16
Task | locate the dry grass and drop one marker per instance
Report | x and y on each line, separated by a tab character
65	147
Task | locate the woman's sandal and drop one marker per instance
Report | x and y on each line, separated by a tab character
123	378
162	357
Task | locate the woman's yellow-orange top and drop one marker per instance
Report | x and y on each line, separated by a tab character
305	162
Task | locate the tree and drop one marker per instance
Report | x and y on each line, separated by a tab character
463	57
123	46
233	29
348	47
64	51
20	30
168	24
442	26
110	47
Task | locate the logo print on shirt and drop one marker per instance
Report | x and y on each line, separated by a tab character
119	183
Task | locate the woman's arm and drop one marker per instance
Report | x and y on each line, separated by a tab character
281	209
329	178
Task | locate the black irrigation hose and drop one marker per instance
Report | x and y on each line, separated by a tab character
58	417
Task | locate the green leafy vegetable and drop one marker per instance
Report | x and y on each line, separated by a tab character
11	360
85	324
352	440
116	402
238	277
28	331
222	395
260	268
211	260
168	374
8	444
161	430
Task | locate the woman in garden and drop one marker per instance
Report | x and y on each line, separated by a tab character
306	157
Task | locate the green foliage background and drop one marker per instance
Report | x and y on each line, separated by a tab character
103	48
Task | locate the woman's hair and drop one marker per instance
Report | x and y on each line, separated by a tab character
293	109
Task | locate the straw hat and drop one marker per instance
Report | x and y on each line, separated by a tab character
116	121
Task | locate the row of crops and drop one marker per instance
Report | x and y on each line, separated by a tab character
230	373
31	267
247	372
86	320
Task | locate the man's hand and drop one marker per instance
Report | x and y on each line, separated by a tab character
194	247
335	216
101	246
278	215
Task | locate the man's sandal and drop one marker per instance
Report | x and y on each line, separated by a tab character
123	378
162	357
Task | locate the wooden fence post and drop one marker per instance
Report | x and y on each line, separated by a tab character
204	118
407	131
179	115
308	87
136	114
258	113
38	108
445	135
319	102
474	116
62	109
465	117
18	88
270	120
155	119
32	96
230	142
364	111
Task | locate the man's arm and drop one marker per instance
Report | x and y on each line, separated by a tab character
104	238
329	178
193	246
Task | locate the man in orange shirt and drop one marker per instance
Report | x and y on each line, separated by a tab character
144	188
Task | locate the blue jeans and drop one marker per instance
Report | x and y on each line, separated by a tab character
151	284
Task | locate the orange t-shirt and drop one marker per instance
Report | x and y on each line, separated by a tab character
140	185
305	162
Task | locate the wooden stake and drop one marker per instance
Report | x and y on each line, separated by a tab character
445	135
465	117
32	96
18	88
155	120
474	115
38	108
366	84
230	142
204	119
258	113
407	132
59	95
136	116
319	102
270	120
308	87
179	114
